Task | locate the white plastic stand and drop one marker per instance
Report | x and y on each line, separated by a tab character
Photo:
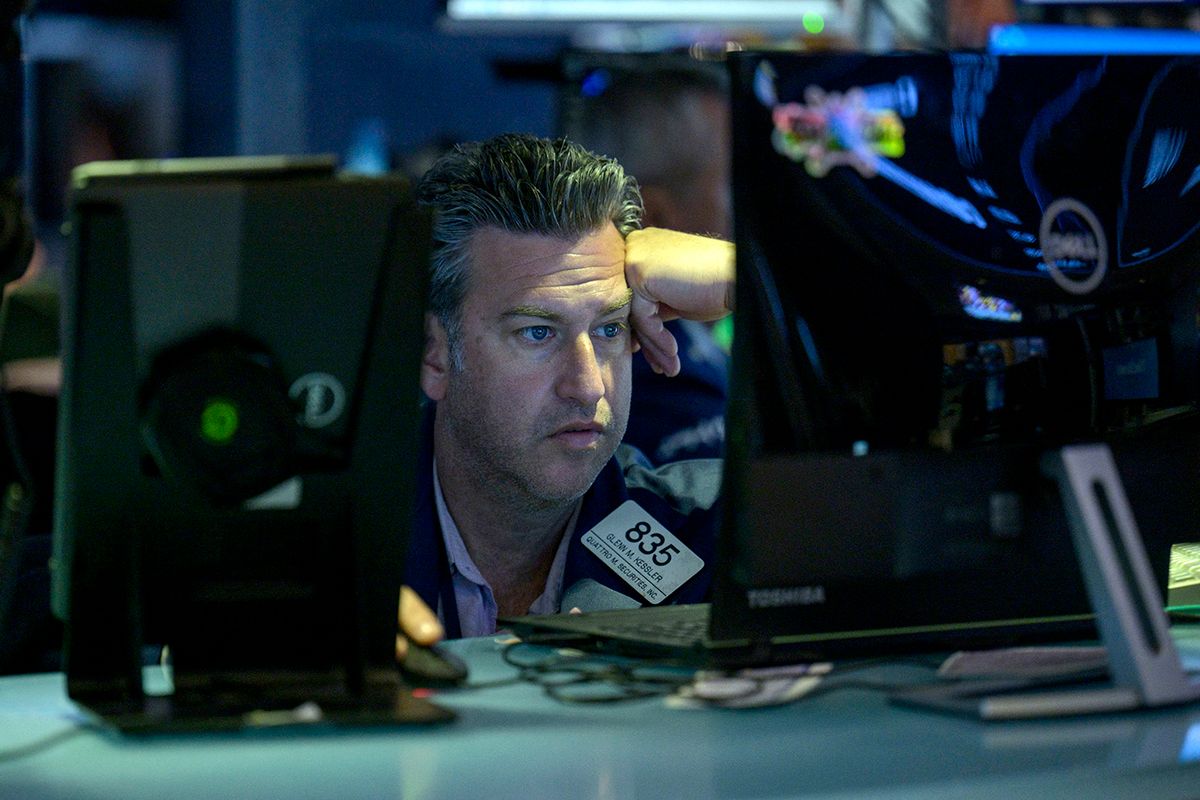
1142	660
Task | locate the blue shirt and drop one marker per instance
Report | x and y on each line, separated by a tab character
681	417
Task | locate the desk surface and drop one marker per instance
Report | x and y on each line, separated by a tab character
512	741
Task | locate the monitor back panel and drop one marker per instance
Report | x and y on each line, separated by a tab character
238	414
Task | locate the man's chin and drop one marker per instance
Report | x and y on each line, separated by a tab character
572	480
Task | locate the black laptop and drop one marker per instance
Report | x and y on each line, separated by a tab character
949	266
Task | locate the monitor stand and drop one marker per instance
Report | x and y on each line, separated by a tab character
1143	663
249	701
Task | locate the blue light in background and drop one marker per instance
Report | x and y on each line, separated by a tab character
1191	745
595	83
1072	39
368	152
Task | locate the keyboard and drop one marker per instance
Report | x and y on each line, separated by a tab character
682	627
672	626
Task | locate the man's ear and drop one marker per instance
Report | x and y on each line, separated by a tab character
435	364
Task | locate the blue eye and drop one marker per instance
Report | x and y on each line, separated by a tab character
611	330
537	333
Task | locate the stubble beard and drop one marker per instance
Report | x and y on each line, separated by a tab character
509	470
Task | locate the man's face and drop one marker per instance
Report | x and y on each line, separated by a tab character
542	399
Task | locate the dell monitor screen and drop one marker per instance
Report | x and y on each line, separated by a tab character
950	265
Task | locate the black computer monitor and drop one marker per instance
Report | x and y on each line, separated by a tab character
237	423
950	265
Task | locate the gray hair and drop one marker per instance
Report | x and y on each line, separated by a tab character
517	183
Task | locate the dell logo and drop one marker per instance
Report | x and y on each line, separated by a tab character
1070	246
1076	248
321	397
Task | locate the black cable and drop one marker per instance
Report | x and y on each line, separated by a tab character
595	679
598	679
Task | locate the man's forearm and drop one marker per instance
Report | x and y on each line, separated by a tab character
675	275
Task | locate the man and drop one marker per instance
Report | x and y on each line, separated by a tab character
666	120
543	286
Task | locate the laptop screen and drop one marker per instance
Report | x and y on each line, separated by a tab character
950	265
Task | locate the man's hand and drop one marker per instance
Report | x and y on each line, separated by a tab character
417	622
675	275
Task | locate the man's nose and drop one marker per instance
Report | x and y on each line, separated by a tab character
581	378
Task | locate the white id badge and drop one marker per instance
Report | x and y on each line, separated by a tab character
646	555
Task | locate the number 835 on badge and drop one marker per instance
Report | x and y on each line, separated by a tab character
642	552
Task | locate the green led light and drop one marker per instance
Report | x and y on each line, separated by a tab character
219	420
813	22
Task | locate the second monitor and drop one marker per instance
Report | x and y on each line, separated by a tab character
237	425
950	265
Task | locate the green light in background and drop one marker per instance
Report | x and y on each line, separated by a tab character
813	22
722	332
219	420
